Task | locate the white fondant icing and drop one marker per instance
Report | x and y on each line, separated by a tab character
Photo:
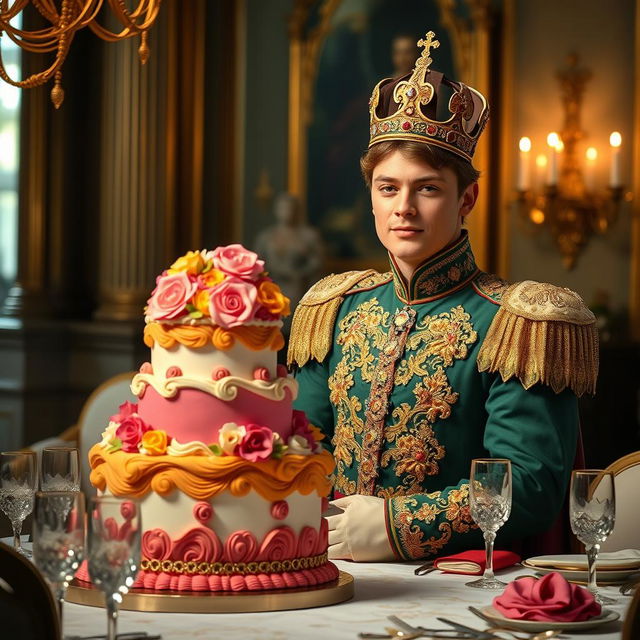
174	514
224	389
201	362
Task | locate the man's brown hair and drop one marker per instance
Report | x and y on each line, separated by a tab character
413	150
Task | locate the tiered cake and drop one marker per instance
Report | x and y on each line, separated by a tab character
231	481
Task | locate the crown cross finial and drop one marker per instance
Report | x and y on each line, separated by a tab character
428	43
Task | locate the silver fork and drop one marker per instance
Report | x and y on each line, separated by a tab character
442	633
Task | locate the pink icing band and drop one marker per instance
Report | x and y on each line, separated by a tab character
196	415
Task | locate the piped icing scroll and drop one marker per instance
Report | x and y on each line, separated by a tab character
202	477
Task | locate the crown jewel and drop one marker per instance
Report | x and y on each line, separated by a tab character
405	108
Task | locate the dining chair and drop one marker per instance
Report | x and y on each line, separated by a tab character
626	530
94	418
27	608
631	625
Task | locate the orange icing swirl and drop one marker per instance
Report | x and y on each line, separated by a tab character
202	477
254	337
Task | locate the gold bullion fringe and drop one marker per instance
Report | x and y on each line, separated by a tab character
311	333
232	568
555	353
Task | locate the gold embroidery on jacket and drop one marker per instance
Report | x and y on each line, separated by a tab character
454	506
412	450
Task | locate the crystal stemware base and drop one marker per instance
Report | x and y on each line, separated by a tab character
487	583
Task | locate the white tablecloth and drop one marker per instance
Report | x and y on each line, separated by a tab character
380	590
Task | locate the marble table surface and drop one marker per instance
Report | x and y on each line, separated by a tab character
380	590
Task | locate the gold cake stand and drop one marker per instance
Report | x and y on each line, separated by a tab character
322	595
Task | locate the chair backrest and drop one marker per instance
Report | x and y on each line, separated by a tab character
626	531
27	608
94	418
631	626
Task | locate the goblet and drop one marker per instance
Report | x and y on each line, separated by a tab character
58	538
113	550
490	501
592	511
18	479
59	469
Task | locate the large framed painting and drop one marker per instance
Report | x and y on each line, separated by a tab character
339	49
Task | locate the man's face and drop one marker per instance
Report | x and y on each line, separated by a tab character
417	208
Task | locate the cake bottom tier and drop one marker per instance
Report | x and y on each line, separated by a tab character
228	543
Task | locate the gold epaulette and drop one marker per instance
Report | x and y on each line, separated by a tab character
543	333
311	333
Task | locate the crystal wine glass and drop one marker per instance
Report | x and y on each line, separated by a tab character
592	511
490	500
60	469
18	481
113	550
58	538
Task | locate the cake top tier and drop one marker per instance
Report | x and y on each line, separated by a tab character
227	287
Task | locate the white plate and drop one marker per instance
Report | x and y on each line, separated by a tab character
608	576
542	625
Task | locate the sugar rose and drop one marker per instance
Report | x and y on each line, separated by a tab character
130	432
238	261
171	296
230	436
232	303
192	263
272	298
155	442
257	443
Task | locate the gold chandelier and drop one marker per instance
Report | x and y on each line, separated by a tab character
566	200
66	17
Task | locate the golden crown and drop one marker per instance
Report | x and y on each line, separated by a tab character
405	108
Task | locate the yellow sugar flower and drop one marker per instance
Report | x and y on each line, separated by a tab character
272	298
201	301
212	277
155	442
193	263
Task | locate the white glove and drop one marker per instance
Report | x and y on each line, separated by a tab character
359	533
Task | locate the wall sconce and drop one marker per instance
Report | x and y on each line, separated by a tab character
565	199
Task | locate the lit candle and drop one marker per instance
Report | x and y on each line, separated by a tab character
552	173
590	168
523	165
615	140
541	169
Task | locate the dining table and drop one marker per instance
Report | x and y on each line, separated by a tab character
380	590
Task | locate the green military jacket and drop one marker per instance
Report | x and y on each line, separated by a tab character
410	381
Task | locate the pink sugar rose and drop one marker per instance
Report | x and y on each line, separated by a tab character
170	297
238	261
232	303
124	410
257	443
300	427
130	432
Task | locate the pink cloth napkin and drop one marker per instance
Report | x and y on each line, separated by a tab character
473	562
550	598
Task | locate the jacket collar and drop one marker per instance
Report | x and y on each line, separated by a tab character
443	273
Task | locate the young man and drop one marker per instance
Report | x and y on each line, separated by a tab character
413	373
